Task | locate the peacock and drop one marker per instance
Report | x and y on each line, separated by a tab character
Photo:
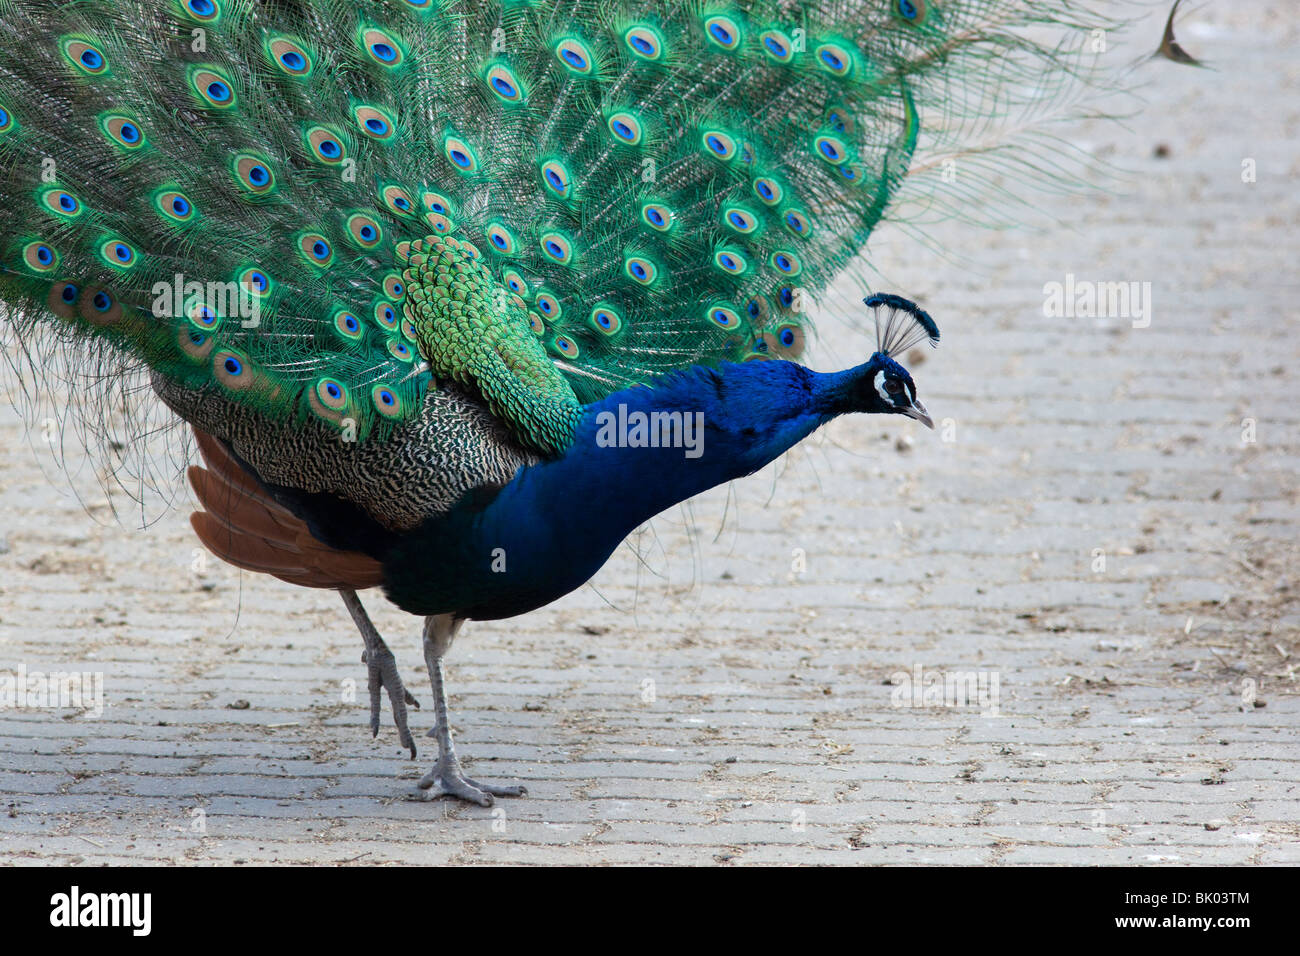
456	294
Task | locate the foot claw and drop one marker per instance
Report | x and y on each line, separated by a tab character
384	677
447	779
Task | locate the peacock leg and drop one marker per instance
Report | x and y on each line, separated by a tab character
382	666
446	777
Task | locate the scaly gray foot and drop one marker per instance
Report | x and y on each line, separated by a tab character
382	666
447	779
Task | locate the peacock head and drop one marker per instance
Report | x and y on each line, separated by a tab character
881	385
887	388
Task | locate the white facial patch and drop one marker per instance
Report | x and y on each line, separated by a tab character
879	382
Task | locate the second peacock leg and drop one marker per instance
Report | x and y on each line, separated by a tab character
382	666
446	777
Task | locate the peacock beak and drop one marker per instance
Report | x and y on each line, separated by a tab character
918	412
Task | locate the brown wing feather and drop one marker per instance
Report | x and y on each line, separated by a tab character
243	525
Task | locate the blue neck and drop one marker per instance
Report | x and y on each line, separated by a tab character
634	454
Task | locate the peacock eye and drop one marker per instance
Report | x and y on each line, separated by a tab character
893	386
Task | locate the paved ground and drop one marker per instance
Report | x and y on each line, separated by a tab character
1091	530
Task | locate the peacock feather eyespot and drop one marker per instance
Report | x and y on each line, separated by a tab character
387	316
99	307
536	324
316	249
777	47
212	87
855	173
640	270
785	298
232	370
400	350
469	250
332	393
205	11
61	202
718	144
7	121
387	402
381	48
118	253
376	123
839	120
741	220
201	315
84	55
40	256
505	84
786	262
289	56
330	400
501	239
408	330
645	42
194	345
731	261
768	190
325	145
254	281
723	32
790	340
348	325
556	179
441	225
913	11
575	56
62	299
626	128
124	131
548	305
437	202
462	157
723	316
364	231
397	200
606	320
797	222
566	346
174	205
253	173
832	149
835	58
557	247
394	287
657	216
514	281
